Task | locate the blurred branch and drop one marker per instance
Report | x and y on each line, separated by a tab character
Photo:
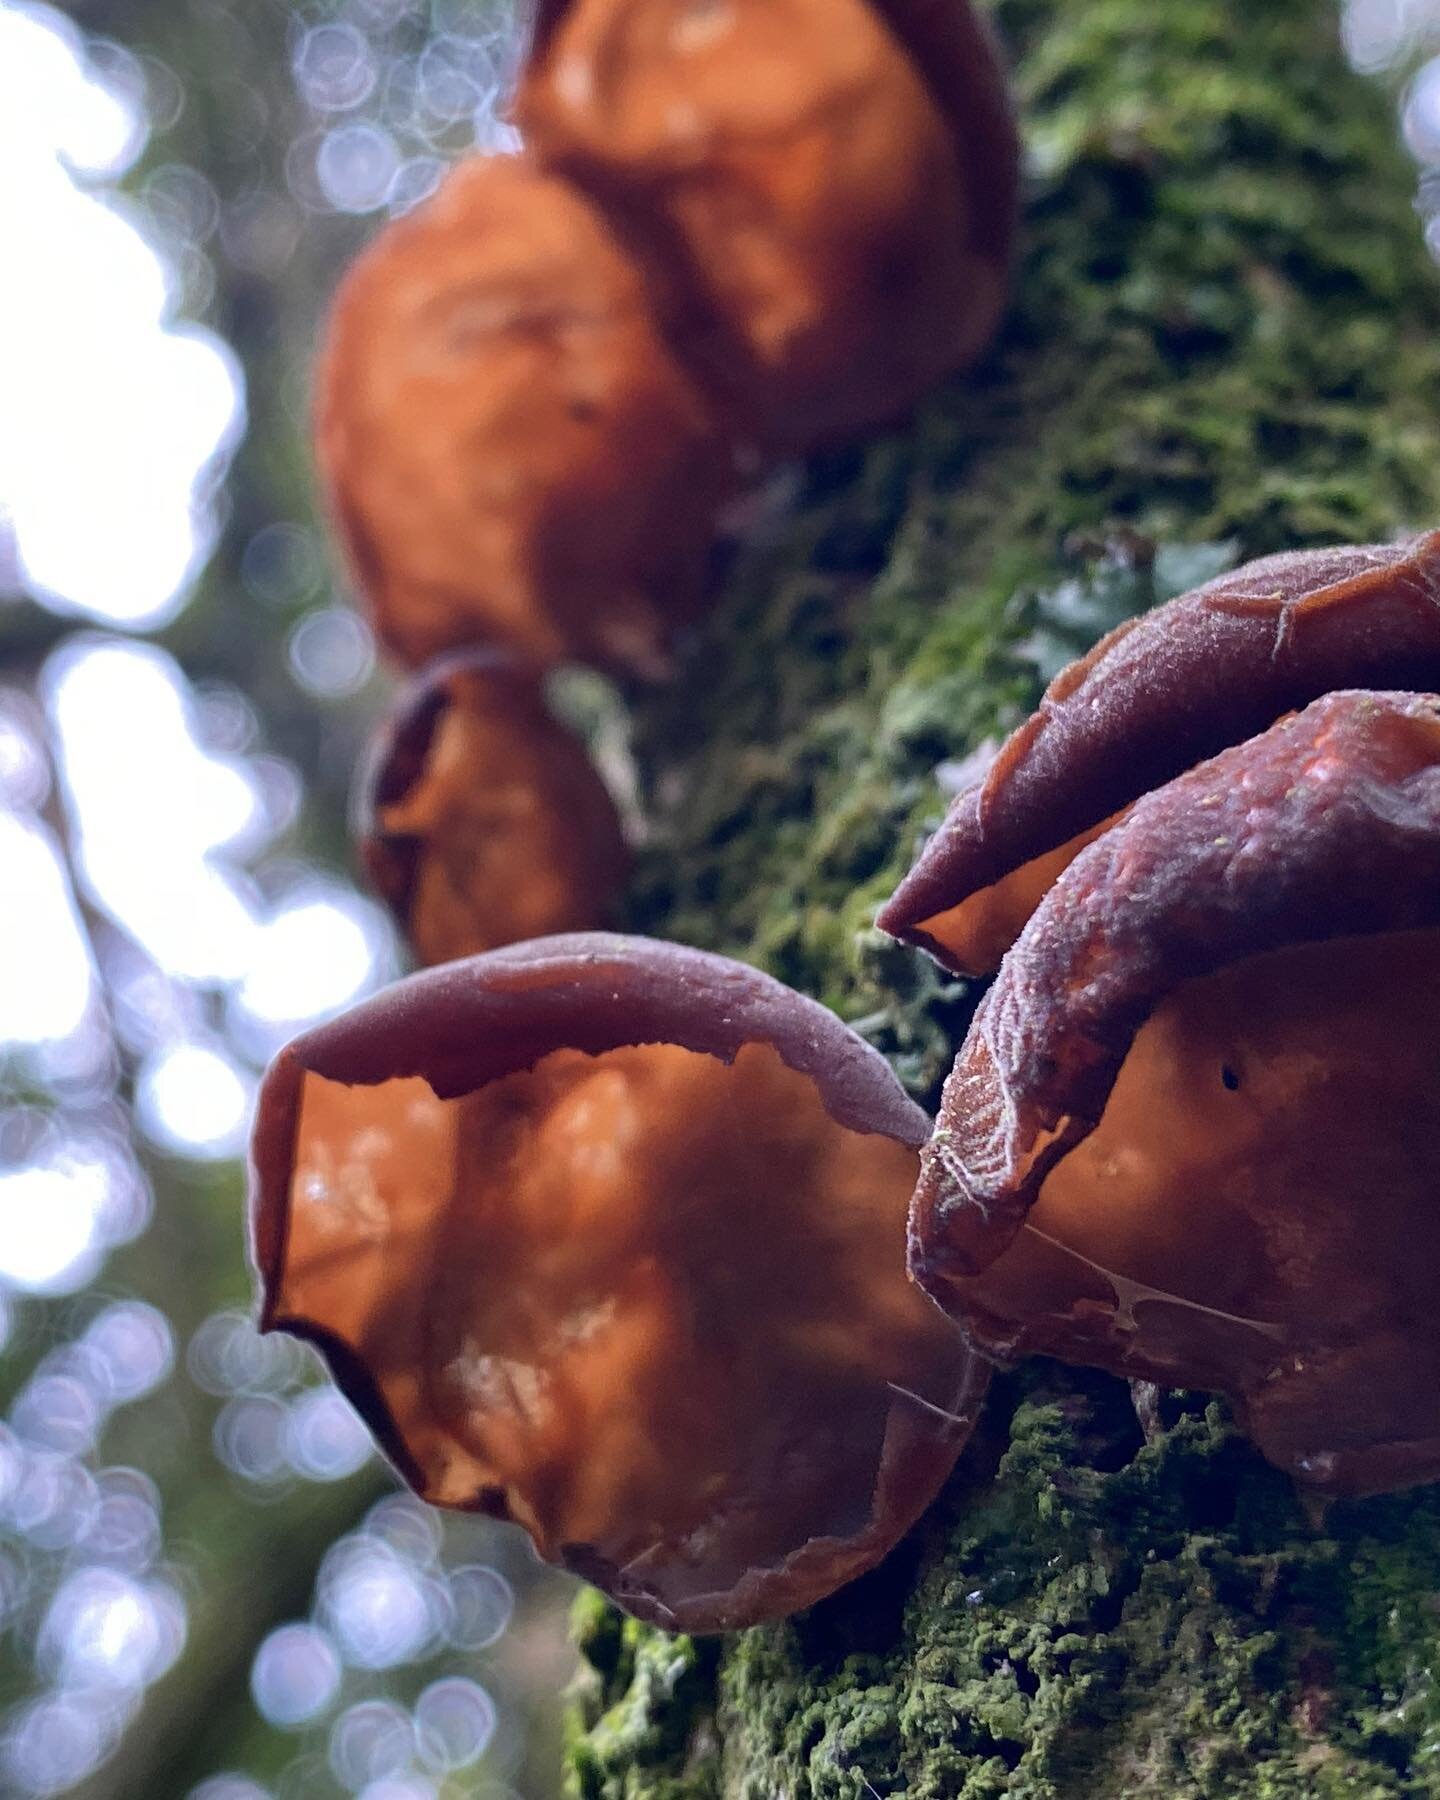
28	634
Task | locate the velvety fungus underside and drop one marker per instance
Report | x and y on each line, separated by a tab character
1191	1135
1154	697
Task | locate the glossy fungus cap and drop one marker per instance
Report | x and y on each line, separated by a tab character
511	453
955	50
1193	1133
1159	693
481	819
606	1236
826	222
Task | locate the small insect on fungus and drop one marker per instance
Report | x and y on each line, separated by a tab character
1192	1136
482	820
1155	696
827	222
606	1236
512	455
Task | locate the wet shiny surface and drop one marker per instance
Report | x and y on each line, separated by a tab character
645	1303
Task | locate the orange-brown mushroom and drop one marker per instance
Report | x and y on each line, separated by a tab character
606	1236
1159	693
482	819
511	453
1193	1134
828	222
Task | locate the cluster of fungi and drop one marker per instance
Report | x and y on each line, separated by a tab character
608	1236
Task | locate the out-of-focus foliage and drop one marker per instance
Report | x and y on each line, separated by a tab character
209	1587
209	1584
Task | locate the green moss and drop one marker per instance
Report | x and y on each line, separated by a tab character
1225	341
642	1715
1088	1614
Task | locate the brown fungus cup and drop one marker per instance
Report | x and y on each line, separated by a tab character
1159	693
1193	1135
606	1236
827	222
481	819
511	453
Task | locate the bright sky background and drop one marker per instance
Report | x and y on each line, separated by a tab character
113	419
111	409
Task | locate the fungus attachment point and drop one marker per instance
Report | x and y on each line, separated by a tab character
1193	1132
512	454
1207	670
829	233
605	1236
482	820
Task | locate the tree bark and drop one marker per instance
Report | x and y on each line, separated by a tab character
1224	341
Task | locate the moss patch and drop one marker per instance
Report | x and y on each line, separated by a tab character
1087	1614
1101	1617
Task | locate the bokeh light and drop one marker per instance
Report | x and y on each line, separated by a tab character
192	1100
45	971
332	653
381	1608
370	1742
296	1674
60	1213
454	1722
1379	34
326	1440
229	1787
112	413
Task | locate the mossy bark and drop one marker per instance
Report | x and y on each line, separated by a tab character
1225	341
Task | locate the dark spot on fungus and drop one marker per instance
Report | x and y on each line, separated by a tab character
609	1234
1229	1079
511	453
1090	1195
482	821
1159	693
822	191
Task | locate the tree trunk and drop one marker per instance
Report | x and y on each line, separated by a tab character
1224	341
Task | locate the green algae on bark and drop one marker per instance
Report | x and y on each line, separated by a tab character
1101	1618
1087	1614
1225	341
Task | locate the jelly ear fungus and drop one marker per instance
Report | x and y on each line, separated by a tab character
480	818
606	1236
1206	670
1193	1134
510	452
822	192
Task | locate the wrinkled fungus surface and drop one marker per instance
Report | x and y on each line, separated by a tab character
482	819
511	453
1159	693
606	1236
1192	1135
827	222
